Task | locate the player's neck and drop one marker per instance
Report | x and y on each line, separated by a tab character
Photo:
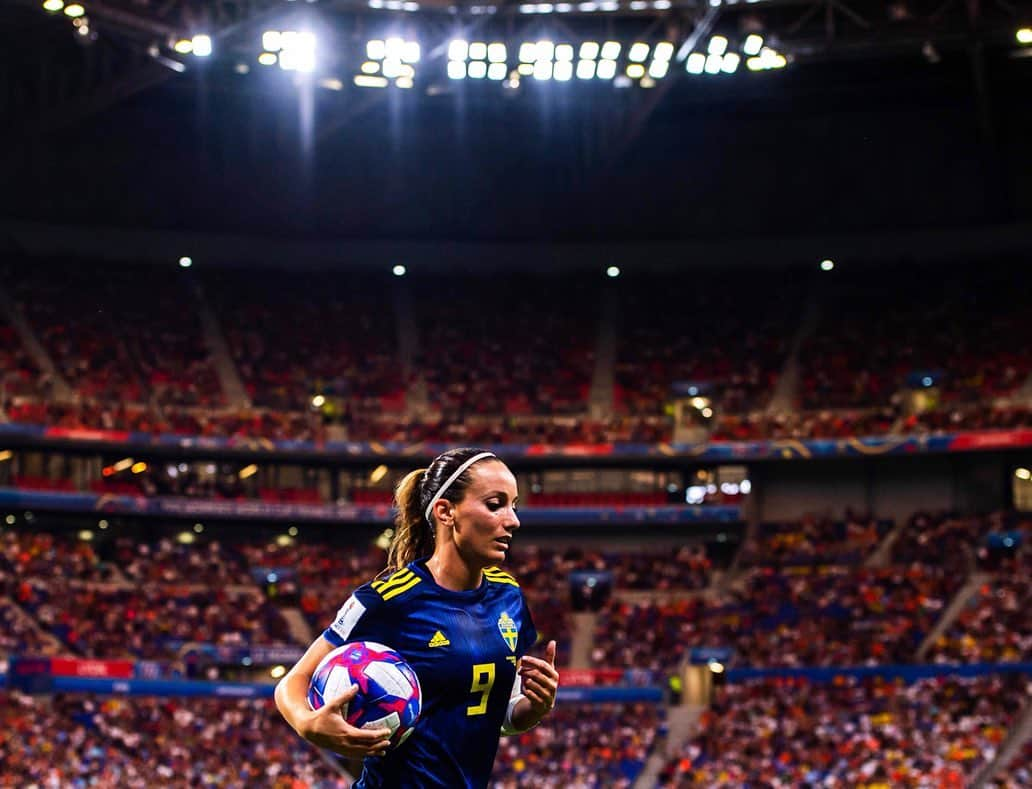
453	574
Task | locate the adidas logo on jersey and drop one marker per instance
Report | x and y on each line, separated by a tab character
439	640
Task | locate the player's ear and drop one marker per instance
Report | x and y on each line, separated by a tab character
444	512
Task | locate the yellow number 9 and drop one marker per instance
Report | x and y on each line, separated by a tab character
483	681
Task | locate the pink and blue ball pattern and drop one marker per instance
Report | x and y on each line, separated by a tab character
388	689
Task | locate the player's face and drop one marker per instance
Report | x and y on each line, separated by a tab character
485	519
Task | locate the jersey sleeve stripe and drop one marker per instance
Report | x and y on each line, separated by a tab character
397	590
397	579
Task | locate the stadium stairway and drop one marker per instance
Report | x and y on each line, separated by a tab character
603	380
1016	739
681	723
225	368
61	390
957	604
300	631
786	391
882	555
583	639
30	622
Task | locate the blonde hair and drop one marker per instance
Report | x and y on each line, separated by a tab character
413	536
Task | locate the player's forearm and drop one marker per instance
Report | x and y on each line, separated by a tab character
525	716
291	701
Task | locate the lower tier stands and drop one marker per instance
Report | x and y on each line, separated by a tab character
864	733
83	741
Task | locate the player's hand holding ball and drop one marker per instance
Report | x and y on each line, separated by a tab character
540	681
327	728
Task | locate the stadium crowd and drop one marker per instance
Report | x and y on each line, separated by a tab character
597	746
84	741
870	733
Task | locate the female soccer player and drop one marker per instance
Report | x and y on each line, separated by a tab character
459	621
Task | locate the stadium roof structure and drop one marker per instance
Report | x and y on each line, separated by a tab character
433	120
123	47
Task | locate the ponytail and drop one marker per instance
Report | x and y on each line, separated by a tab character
413	535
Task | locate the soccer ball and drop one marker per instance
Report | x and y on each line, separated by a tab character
388	689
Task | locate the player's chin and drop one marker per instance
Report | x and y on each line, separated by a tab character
496	552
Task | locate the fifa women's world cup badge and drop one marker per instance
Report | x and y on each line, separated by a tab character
507	627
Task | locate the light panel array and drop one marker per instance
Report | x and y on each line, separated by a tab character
719	59
591	6
545	60
294	50
389	59
477	60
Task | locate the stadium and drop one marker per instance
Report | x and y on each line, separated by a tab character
739	291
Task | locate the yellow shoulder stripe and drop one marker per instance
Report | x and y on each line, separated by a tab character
397	590
397	579
495	575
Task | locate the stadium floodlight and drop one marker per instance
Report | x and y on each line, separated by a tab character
298	51
563	71
478	51
376	49
613	272
398	271
528	52
456	69
410	6
1024	35
528	8
753	44
458	50
639	5
202	46
185	262
544	49
370	67
410	52
183	46
609	5
74	10
404	82
588	7
606	69
827	265
585	69
696	63
639	52
662	5
563	8
635	70
477	69
545	8
717	45
659	69
611	50
267	59
543	70
392	68
713	63
369	81
497	53
755	64
589	50
1023	473
394	48
664	51
525	69
729	64
271	41
318	401
53	6
564	52
497	71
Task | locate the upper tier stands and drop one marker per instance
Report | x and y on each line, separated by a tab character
512	358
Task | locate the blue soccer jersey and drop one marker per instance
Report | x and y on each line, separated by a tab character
463	647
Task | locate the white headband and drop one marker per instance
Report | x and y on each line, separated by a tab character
447	483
